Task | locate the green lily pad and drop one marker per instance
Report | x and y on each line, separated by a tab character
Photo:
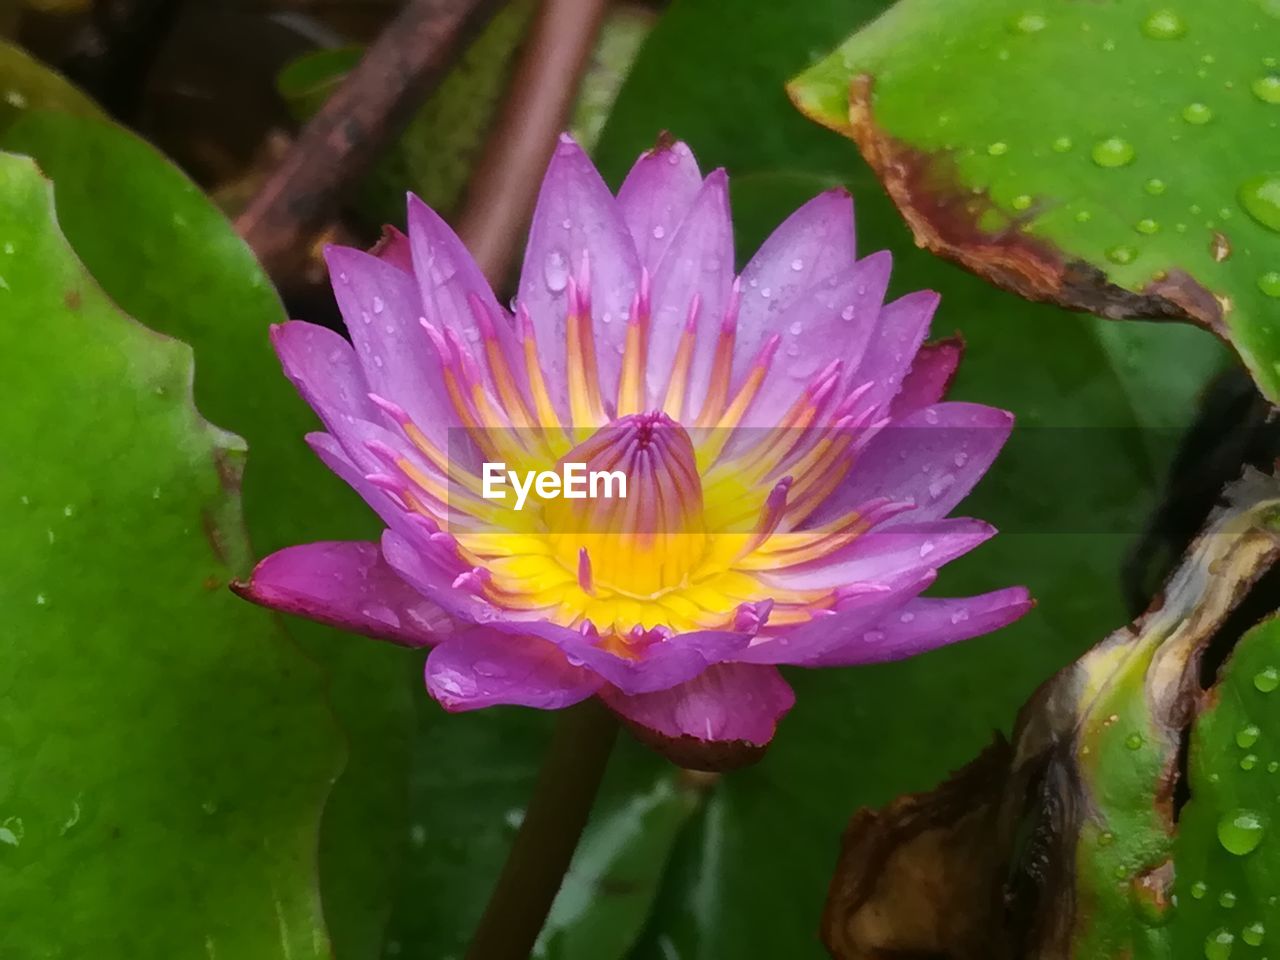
1228	864
1112	157
166	752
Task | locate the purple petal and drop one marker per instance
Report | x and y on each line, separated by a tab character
725	703
381	307
656	196
901	330
433	570
813	244
833	321
324	368
933	456
393	248
908	549
663	664
346	585
576	214
480	668
452	286
925	623
698	262
930	376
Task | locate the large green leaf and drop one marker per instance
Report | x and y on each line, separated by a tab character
166	753
1121	158
165	254
1070	492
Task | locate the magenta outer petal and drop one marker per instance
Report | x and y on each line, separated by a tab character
346	585
323	368
930	376
573	194
933	456
655	198
433	575
926	623
819	237
393	248
726	702
665	664
479	668
698	261
887	553
901	330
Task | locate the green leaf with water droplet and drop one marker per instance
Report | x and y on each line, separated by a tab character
166	751
1185	93
1227	832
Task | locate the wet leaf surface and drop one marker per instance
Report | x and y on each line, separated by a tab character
1161	199
162	742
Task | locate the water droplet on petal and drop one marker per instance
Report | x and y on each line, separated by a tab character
796	328
926	548
378	305
659	232
556	271
1269	283
797	265
847	312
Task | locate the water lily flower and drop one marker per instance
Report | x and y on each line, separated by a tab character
791	463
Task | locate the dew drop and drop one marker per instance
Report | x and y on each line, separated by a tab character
1269	283
566	223
556	271
1028	23
8	248
366	316
1217	946
1227	900
1164	25
1254	934
1147	226
907	617
960	459
1106	838
1061	145
1134	741
1198	890
1084	216
12	830
796	328
1112	152
926	548
1197	113
378	305
1267	88
766	293
1260	198
1123	254
797	265
873	636
1247	736
1267	679
1240	831
1021	202
997	149
1248	761
659	232
960	616
1154	187
847	312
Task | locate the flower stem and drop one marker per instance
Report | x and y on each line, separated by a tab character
553	823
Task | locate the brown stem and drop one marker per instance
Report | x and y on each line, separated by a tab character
553	822
503	188
341	142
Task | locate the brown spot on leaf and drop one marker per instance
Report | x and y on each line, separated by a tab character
72	299
1219	246
945	217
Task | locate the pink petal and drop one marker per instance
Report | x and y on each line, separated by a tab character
933	456
813	244
888	553
901	330
930	376
346	585
698	262
577	214
433	573
925	623
656	196
718	719
324	368
479	668
393	248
